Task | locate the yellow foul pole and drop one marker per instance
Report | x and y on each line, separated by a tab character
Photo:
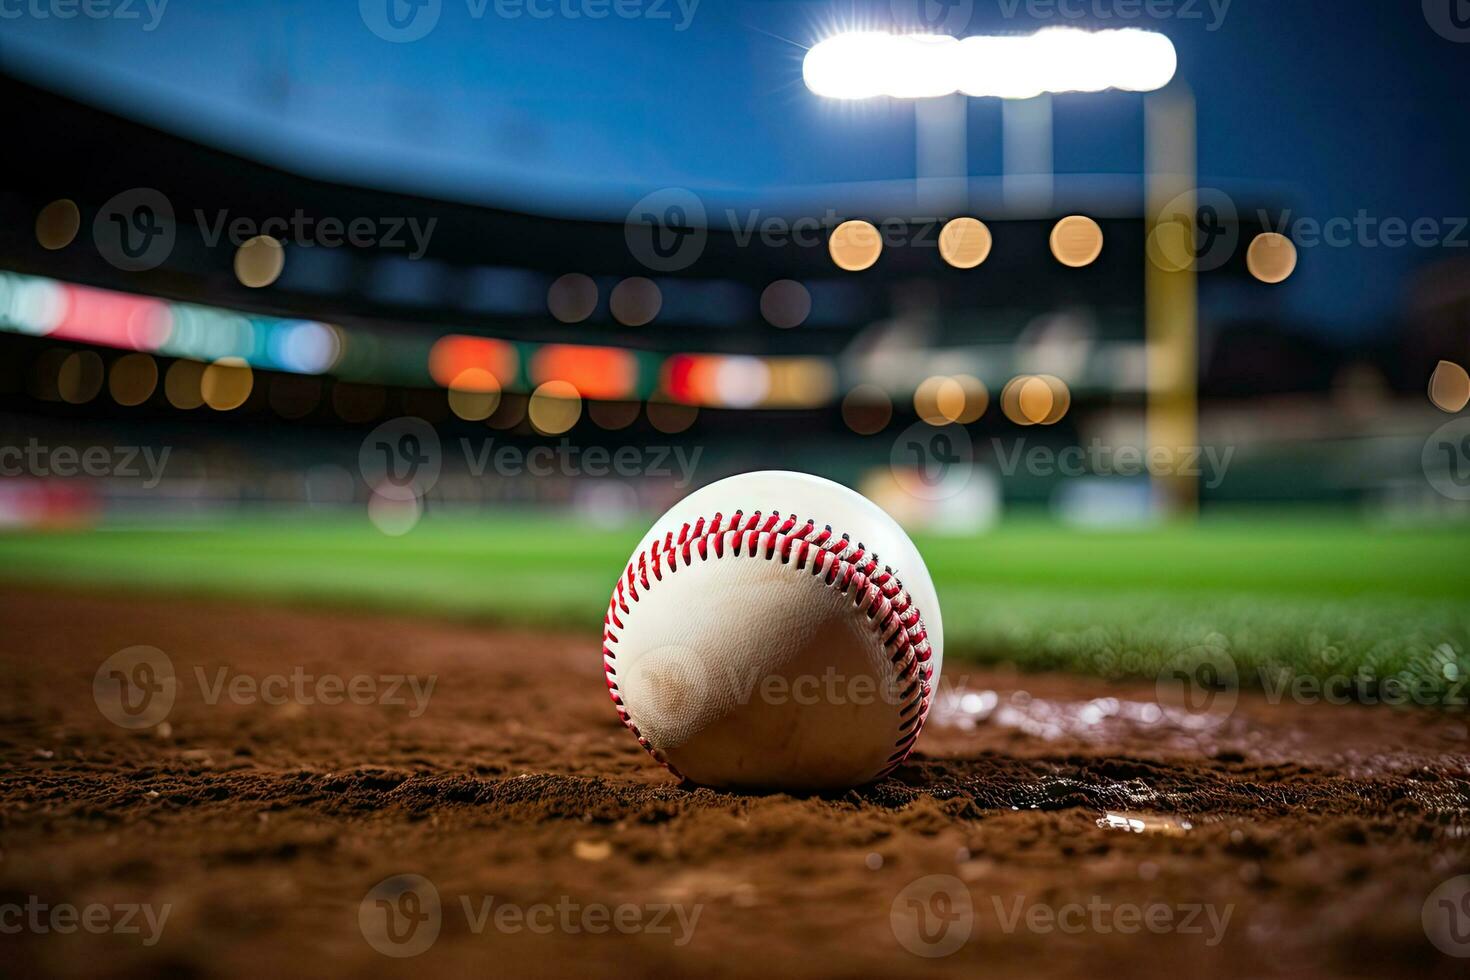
1171	300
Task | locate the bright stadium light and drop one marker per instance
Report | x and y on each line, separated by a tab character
863	64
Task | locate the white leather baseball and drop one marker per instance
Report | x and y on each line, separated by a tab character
774	630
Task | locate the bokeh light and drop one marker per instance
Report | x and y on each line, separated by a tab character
80	377
965	243
1076	241
226	384
799	382
977	398
1271	257
305	346
393	516
454	354
572	298
939	400
358	402
669	416
866	64
57	224
867	409
429	404
555	407
475	395
635	302
613	415
294	397
44	372
855	245
742	382
1449	387
786	303
1061	398
259	261
1031	399
511	411
596	372
181	384
133	379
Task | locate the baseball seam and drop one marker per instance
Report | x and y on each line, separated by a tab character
849	569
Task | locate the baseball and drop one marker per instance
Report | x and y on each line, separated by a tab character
774	630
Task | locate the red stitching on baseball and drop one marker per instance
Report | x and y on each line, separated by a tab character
852	570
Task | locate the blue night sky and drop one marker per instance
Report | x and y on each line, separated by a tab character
1329	108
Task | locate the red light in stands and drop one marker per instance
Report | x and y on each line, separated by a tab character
457	358
596	372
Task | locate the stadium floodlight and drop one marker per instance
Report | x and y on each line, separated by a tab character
865	64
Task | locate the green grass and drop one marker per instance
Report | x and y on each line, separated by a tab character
1319	596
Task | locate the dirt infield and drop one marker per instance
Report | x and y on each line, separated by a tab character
1048	825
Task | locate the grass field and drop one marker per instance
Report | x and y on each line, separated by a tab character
1323	597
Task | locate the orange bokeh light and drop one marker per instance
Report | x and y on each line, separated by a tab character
596	372
456	358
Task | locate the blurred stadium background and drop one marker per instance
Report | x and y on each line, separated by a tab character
648	259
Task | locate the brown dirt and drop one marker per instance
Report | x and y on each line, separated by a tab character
1321	829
